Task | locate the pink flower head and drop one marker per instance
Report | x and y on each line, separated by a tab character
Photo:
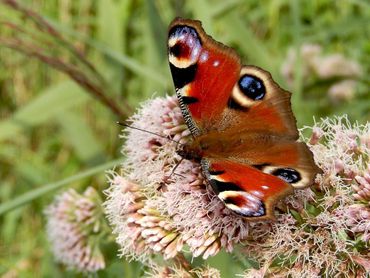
340	71
156	212
75	222
362	185
321	236
164	211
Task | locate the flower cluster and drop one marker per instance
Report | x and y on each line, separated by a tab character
155	210
75	226
316	66
331	234
160	208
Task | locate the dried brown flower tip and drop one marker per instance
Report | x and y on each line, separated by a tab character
75	225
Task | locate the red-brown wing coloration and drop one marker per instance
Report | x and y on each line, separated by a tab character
269	153
291	161
244	189
204	73
241	121
208	78
257	103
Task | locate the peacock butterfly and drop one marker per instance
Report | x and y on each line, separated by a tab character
244	131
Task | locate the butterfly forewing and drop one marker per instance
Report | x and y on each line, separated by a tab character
197	63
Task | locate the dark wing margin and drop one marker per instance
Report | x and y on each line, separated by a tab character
204	72
245	190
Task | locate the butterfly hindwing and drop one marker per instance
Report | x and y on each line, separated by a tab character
290	161
268	152
244	189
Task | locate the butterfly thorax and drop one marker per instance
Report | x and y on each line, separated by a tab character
189	154
191	151
214	145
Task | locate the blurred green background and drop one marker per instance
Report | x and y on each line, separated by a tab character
57	134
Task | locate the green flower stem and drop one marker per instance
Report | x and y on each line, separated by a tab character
38	192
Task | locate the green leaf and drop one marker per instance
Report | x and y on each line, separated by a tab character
343	235
41	191
81	137
296	216
112	24
222	261
158	31
223	7
312	210
126	61
255	49
51	102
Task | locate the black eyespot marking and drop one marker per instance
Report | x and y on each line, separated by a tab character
183	76
220	186
234	200
182	30
187	43
236	106
244	209
189	100
260	212
287	174
216	173
252	87
175	50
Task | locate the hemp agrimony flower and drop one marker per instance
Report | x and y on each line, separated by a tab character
151	212
157	213
75	228
336	69
328	235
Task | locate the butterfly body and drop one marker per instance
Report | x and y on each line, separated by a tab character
244	131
